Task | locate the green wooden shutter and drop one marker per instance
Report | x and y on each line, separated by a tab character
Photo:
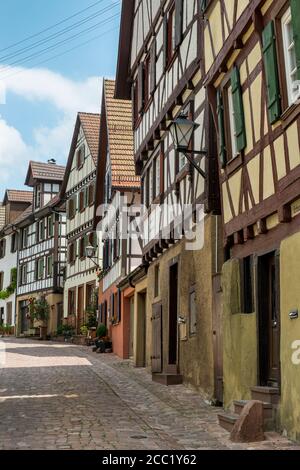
203	4
165	41
222	144
178	22
271	71
295	9
238	109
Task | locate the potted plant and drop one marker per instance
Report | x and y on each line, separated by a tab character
39	310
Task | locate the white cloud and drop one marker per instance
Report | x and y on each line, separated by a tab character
67	96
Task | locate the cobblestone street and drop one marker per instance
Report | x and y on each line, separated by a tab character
57	396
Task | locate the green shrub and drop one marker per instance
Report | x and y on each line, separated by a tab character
84	330
101	331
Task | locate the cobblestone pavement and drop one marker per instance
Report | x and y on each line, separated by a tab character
60	396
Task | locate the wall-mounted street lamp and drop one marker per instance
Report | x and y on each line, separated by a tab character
182	130
90	252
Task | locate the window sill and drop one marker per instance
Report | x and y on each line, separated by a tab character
234	164
290	114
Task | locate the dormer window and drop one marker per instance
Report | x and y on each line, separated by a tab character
38	193
80	155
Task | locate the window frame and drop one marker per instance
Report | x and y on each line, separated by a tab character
80	156
229	124
282	21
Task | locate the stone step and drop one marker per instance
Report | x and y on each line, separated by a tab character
167	379
266	394
227	420
239	406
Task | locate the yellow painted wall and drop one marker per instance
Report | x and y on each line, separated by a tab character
239	339
290	332
195	268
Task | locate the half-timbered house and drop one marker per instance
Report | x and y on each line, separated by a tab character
118	188
14	203
160	67
252	72
41	247
79	193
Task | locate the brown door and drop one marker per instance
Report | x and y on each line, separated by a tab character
173	314
80	308
131	330
156	357
60	314
269	319
9	313
217	338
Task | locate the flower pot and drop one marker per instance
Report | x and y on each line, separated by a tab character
39	323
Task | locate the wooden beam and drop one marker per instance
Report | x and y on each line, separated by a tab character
285	214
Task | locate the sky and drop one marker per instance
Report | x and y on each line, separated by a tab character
40	98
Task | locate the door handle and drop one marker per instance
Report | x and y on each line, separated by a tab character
275	323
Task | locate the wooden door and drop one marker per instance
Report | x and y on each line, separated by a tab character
173	315
9	313
218	338
60	314
131	331
269	319
156	357
80	308
24	320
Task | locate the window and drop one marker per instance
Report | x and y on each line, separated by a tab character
49	266
71	208
157	176
192	312
2	248
247	290
82	245
23	274
181	161
82	200
80	155
289	56
90	295
71	302
50	226
41	230
156	281
231	120
231	123
147	84
91	194
38	193
24	237
40	268
14	242
171	34
71	253
1	280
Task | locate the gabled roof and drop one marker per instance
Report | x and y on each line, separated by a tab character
44	171
120	139
123	85
28	213
91	127
17	195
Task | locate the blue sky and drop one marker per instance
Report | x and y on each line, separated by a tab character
39	101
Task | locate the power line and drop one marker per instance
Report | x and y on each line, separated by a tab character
50	27
59	43
61	54
19	52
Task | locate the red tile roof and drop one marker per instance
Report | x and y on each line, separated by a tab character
44	171
16	195
120	135
91	127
